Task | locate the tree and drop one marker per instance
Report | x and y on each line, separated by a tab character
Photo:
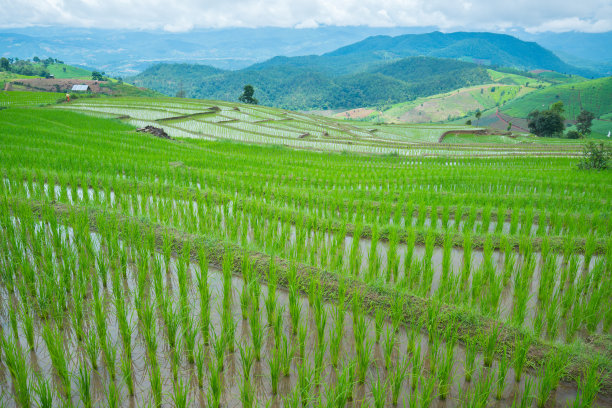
97	76
584	121
247	95
5	64
478	115
548	123
573	134
558	107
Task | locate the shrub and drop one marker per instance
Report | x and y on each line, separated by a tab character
596	156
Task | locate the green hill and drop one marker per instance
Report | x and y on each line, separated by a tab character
292	86
68	71
592	95
487	48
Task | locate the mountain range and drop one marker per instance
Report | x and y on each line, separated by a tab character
128	52
377	70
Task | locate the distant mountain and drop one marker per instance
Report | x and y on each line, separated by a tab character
589	50
488	48
308	83
377	70
127	52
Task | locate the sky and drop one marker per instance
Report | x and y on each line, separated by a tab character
184	15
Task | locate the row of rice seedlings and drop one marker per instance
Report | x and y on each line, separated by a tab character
100	325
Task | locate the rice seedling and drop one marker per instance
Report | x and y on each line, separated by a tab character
84	384
302	334
180	396
416	365
189	338
388	346
44	392
59	359
379	391
502	372
247	357
287	353
397	379
256	332
319	355
364	356
110	353
155	384
292	400
445	371
490	340
18	368
588	386
275	369
112	395
199	366
427	393
305	382
28	327
521	349
526	398
128	374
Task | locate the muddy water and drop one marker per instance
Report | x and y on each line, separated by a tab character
40	362
382	249
476	225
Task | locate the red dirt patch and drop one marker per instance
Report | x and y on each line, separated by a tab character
358	113
60	85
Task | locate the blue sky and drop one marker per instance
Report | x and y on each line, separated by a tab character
184	15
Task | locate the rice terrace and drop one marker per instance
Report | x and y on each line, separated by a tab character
264	257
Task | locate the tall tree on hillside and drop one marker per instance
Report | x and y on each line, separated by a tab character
247	95
548	123
584	121
478	115
5	64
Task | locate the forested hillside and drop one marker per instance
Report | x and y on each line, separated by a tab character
314	86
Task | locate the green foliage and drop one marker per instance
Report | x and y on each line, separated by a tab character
247	95
584	121
596	156
548	123
303	84
592	95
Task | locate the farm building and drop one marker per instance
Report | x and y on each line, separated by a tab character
81	88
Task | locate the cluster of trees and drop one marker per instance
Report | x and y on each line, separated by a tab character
35	67
98	76
551	122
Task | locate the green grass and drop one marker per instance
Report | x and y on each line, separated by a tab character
311	195
515	79
61	71
457	104
593	95
470	139
25	98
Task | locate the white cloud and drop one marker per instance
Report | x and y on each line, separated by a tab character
183	15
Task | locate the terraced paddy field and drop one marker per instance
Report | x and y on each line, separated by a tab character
215	120
138	271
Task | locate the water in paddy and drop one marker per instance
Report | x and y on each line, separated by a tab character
40	362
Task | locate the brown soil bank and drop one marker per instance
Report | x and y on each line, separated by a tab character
61	85
416	310
477	132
